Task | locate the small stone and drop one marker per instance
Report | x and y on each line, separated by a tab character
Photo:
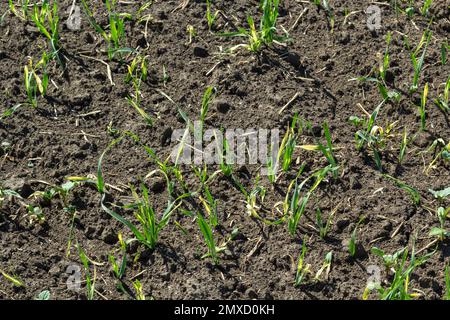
251	293
55	270
89	232
222	105
387	225
158	185
317	131
200	52
109	236
342	224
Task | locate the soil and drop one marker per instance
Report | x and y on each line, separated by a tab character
67	133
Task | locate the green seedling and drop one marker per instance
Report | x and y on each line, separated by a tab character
288	145
8	193
44	295
256	196
138	73
208	96
192	34
224	153
426	7
330	14
267	32
116	36
441	151
34	83
419	62
210	17
119	269
380	77
35	213
297	205
403	145
147	218
166	76
385	65
352	242
444	52
207	232
372	137
399	287
62	192
423	103
210	205
442	100
441	194
375	137
49	16
353	239
13	279
324	226
302	269
139	290
90	279
325	267
137	70
23	13
389	260
439	233
415	196
328	150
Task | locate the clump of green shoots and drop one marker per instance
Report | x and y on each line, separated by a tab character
288	145
139	290
418	62
21	13
373	137
380	76
327	150
207	232
36	79
208	96
267	32
294	205
442	100
399	287
390	261
426	7
440	150
324	226
138	73
326	266
210	17
116	35
90	279
119	268
148	219
210	205
302	269
49	16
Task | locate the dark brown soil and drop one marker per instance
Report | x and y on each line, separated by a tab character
67	133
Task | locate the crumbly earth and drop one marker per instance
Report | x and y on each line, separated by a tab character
83	113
